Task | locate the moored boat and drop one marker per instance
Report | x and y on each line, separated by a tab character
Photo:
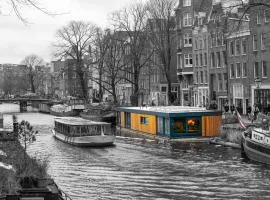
82	132
256	144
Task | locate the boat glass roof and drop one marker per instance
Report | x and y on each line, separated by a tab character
76	121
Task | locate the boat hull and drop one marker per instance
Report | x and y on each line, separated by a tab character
255	151
86	141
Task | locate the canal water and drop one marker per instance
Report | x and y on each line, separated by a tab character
135	170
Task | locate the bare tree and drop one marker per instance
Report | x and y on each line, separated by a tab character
133	20
111	63
162	35
73	41
101	45
17	5
32	61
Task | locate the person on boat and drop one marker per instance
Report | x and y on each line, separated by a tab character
256	111
226	107
249	109
232	108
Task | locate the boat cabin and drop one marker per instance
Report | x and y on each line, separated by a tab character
77	127
171	121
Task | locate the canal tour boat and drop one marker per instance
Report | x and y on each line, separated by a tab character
82	132
256	141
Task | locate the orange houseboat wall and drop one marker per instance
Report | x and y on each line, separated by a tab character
123	120
144	123
211	126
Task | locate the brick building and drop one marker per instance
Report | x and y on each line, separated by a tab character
239	63
260	72
200	41
218	72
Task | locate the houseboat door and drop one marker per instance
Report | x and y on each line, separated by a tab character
127	120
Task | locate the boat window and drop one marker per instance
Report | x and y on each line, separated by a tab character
179	126
193	125
84	130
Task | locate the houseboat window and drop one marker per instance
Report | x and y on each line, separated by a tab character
167	126
193	125
84	130
144	120
179	126
160	125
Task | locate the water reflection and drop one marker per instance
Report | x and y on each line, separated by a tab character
136	170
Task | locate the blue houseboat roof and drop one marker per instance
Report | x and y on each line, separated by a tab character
171	111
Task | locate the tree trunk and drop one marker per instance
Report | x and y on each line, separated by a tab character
100	92
135	95
33	90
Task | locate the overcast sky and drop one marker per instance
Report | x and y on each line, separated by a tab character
19	40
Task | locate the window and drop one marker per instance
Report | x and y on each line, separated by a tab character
205	59
237	47
219	42
200	21
187	40
225	77
163	89
264	69
144	120
186	3
232	71
187	19
197	60
213	39
244	70
224	58
256	69
74	75
193	125
201	44
262	41
220	84
197	74
232	48
255	43
244	46
213	59
205	77
238	70
222	40
258	18
218	60
196	43
201	59
266	16
188	60
179	126
202	81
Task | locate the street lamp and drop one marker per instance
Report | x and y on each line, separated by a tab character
258	83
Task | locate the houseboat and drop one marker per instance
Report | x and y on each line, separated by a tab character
256	144
82	132
171	121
